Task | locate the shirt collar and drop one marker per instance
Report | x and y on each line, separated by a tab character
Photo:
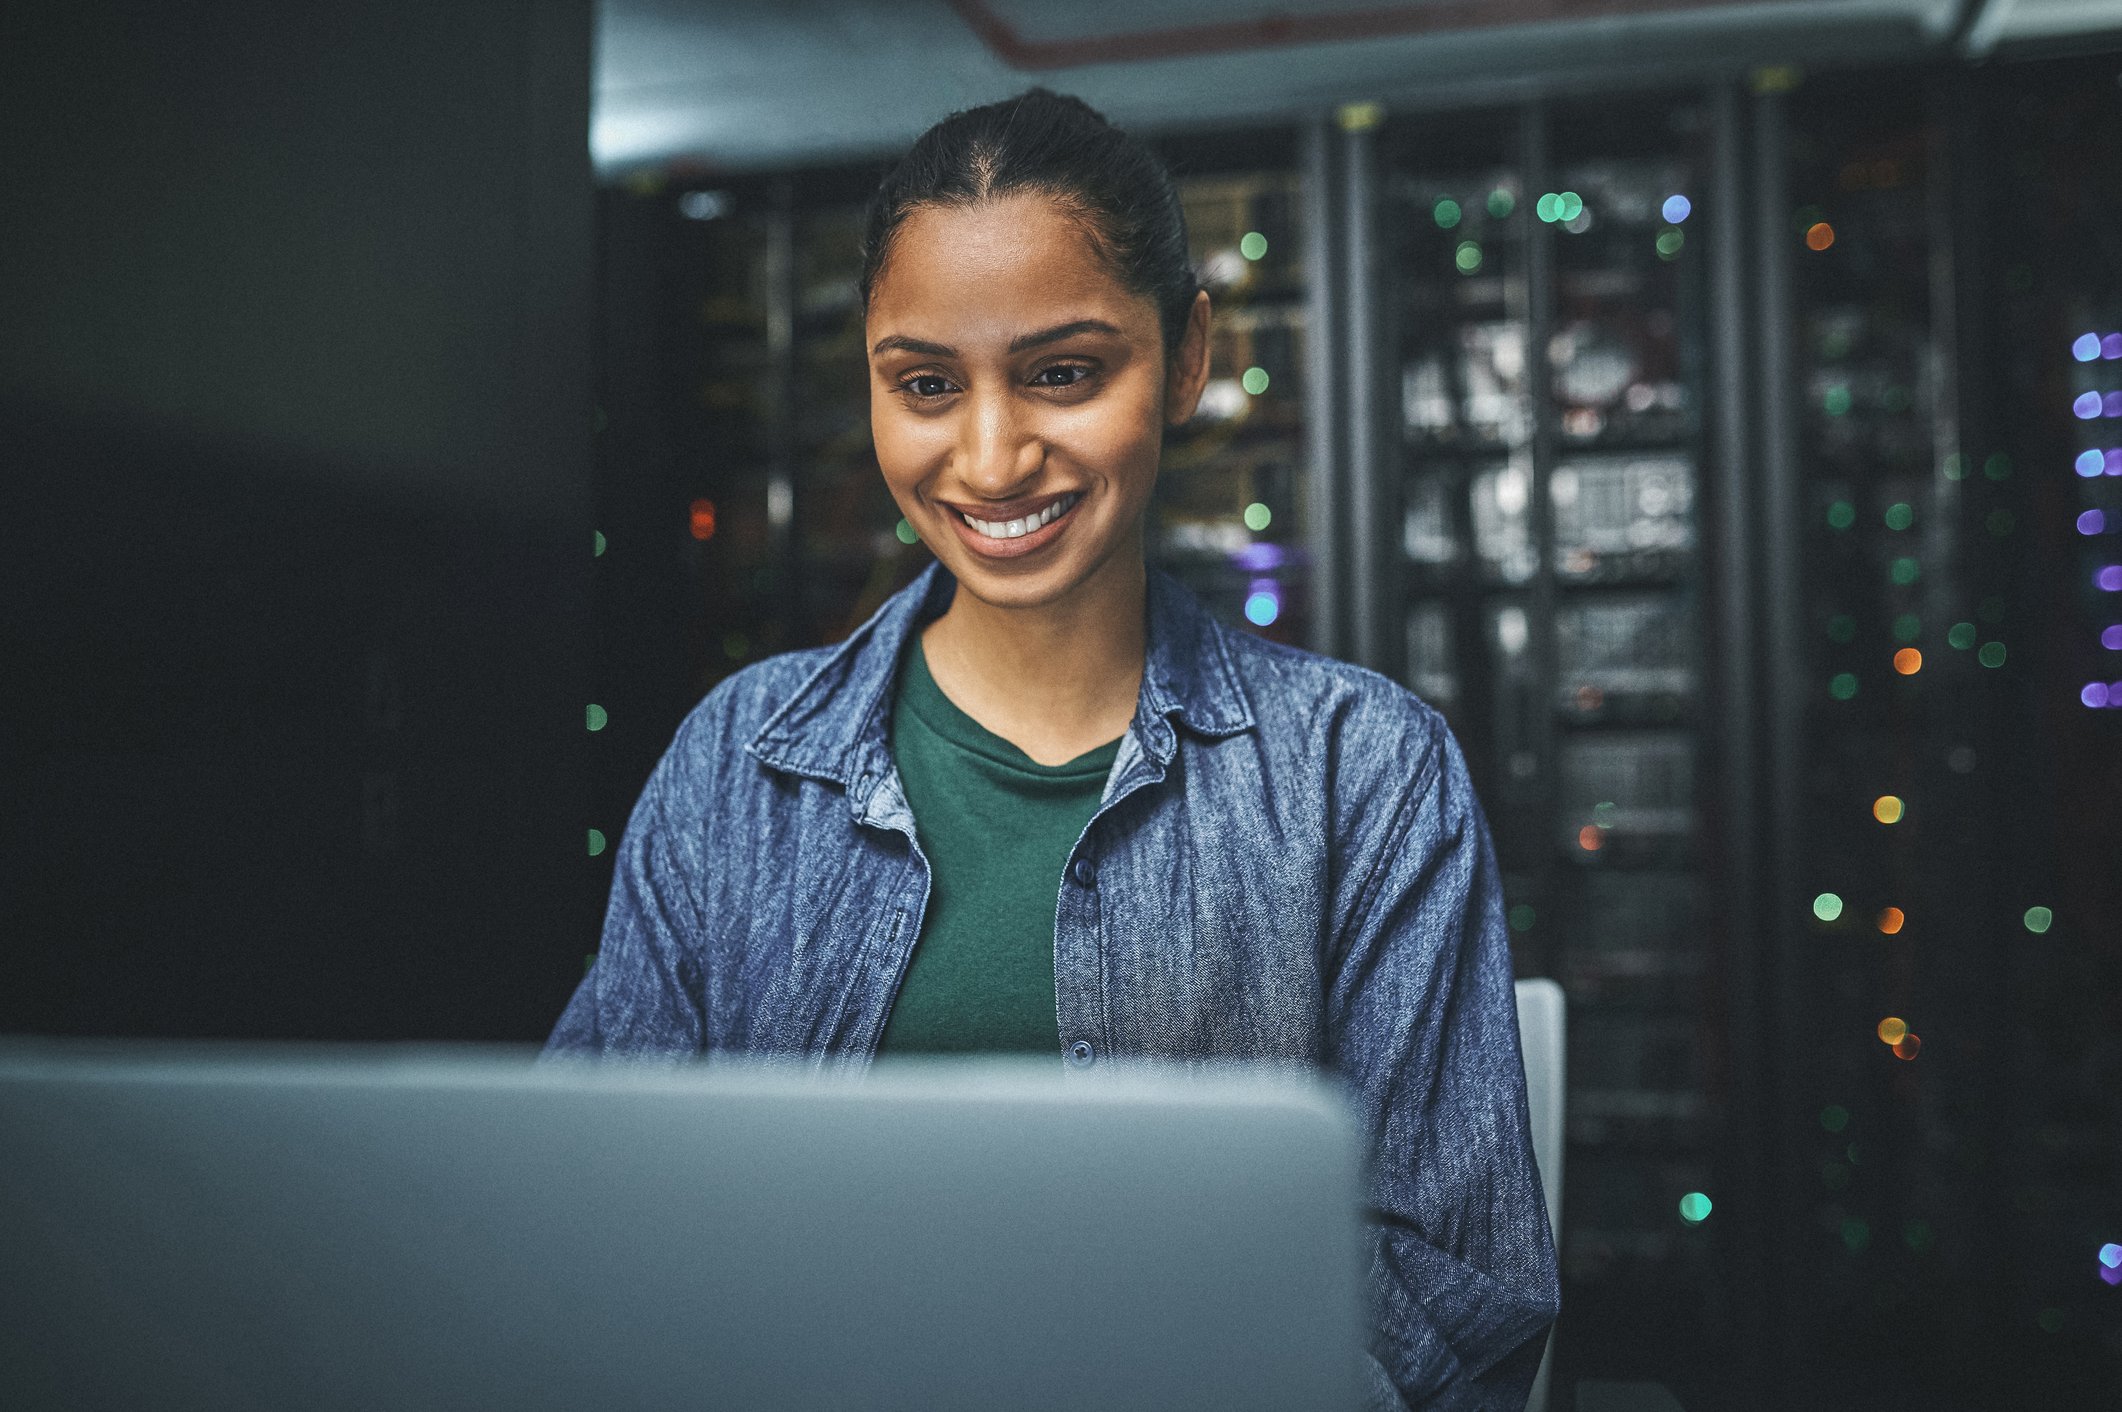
834	727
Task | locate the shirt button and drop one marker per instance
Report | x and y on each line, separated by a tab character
1080	1053
1083	872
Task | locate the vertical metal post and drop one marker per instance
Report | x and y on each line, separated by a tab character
1325	418
1733	728
1779	508
1369	613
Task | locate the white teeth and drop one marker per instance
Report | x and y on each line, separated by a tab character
1016	529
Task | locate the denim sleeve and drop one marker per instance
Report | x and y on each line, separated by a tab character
640	995
1423	1032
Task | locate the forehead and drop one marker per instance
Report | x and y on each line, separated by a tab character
1007	263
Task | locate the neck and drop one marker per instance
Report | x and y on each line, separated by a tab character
1055	680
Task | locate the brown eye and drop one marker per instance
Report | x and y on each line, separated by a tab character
1061	375
926	385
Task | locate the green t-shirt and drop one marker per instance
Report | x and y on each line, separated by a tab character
997	828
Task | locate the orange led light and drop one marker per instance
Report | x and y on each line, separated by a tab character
1907	1047
1891	1029
1590	839
1890	920
703	519
1887	808
1819	236
1908	661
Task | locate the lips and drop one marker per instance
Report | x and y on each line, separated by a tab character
1011	529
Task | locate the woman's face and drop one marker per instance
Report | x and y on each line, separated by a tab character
1014	382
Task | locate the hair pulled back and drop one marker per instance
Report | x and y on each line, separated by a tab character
1060	147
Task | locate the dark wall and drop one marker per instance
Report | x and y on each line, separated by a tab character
294	481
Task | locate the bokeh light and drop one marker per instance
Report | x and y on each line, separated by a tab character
2095	694
1819	235
1908	1046
1908	661
1891	1029
1991	655
1842	685
1258	517
1887	809
1254	380
702	519
1891	920
2111	1256
2086	406
1252	245
1695	1208
1827	906
2111	637
2109	579
1591	838
596	842
1905	571
1468	257
1670	241
1907	628
904	532
597	717
2085	347
2090	462
1262	607
1568	206
2093	522
2039	920
1841	515
1900	515
1501	203
597	545
1834	1117
1446	213
1676	209
1961	635
1522	917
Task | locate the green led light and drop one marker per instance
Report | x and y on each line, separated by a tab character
1568	206
2039	920
1997	466
1255	380
1905	571
1694	1208
1842	686
1836	401
1827	906
1252	245
1501	203
597	545
1856	1234
1907	628
2000	522
1468	257
1670	240
1954	467
1258	517
1548	208
905	532
1991	655
1446	213
1842	628
1834	1117
1521	918
1961	635
596	842
1900	515
597	717
1841	515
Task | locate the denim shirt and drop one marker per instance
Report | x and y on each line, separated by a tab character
1288	863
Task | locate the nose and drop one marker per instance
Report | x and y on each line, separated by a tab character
998	449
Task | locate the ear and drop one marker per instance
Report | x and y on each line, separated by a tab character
1188	370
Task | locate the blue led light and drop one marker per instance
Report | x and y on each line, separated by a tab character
2111	1256
1678	208
2094	694
2089	462
1262	608
2086	407
2085	347
2093	522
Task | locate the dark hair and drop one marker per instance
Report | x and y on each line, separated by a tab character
1061	147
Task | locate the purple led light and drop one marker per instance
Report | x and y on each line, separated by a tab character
2111	405
2111	346
2085	347
2110	1274
2093	522
2109	579
2089	462
2111	637
2094	694
2111	461
2087	406
1259	557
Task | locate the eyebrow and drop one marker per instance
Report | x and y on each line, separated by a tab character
900	342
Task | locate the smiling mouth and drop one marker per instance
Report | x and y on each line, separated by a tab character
1018	528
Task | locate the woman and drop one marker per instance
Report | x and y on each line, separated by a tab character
1041	801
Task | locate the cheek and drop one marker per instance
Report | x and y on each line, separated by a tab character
907	447
1122	437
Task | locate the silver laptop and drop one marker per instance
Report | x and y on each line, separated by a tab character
284	1227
